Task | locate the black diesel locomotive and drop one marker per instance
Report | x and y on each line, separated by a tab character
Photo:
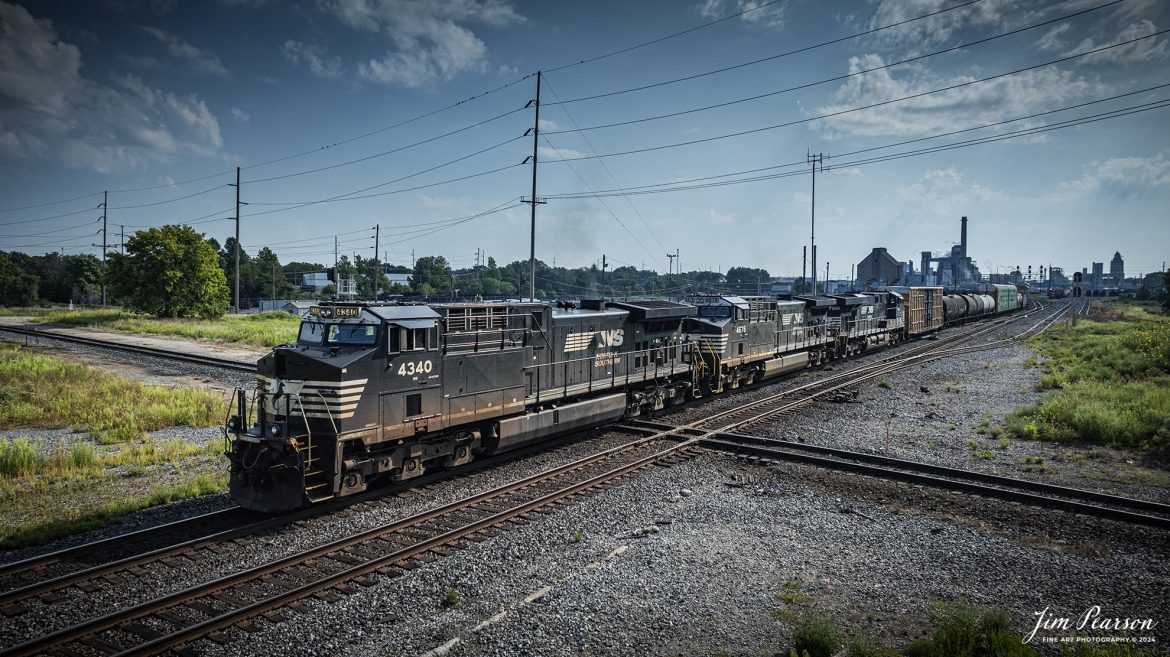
374	391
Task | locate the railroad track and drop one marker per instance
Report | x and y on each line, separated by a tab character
721	431
210	361
1024	491
270	591
29	583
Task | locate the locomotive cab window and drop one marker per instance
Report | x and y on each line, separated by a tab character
409	339
351	334
311	332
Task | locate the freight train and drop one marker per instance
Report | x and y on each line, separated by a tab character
385	392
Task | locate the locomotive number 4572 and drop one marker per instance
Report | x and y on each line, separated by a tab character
412	368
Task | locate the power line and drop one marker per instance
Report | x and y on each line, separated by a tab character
894	145
663	187
661	39
766	59
351	195
389	152
833	79
611	177
864	107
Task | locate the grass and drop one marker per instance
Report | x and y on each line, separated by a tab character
1111	380
985	454
1004	442
264	329
41	532
451	598
47	392
815	635
960	630
885	384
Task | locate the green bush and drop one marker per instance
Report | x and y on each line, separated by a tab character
815	635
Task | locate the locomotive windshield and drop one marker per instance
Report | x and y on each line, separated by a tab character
351	334
316	332
311	332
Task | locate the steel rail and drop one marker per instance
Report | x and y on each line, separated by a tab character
209	361
92	627
1071	499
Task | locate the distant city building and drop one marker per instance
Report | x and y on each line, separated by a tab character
1154	282
879	268
1116	270
1098	278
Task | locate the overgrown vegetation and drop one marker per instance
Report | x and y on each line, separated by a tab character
264	329
1112	383
451	598
47	392
41	532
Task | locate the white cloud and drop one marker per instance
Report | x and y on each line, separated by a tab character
966	106
195	58
315	57
1119	177
546	124
545	153
943	192
48	110
771	15
430	43
717	218
1146	50
929	32
1051	40
240	115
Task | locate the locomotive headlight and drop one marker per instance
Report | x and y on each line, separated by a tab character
326	313
233	424
274	430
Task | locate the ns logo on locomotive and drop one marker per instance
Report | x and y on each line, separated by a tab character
377	391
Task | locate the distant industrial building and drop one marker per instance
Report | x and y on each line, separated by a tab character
879	268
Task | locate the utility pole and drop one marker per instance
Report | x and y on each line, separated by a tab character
603	266
826	277
236	239
105	242
377	274
274	287
412	258
816	162
803	269
534	200
852	276
670	263
123	249
336	274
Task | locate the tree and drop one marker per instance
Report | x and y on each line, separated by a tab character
17	287
169	272
268	268
432	274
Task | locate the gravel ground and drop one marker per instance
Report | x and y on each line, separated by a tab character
676	561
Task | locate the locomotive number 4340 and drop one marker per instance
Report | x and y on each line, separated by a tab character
411	368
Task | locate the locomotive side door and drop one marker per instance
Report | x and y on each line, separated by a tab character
412	394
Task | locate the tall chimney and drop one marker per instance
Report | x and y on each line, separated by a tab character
963	239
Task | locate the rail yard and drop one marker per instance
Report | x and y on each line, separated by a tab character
629	537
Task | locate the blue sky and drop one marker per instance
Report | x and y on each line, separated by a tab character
346	114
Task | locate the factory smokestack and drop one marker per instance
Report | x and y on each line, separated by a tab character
963	240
